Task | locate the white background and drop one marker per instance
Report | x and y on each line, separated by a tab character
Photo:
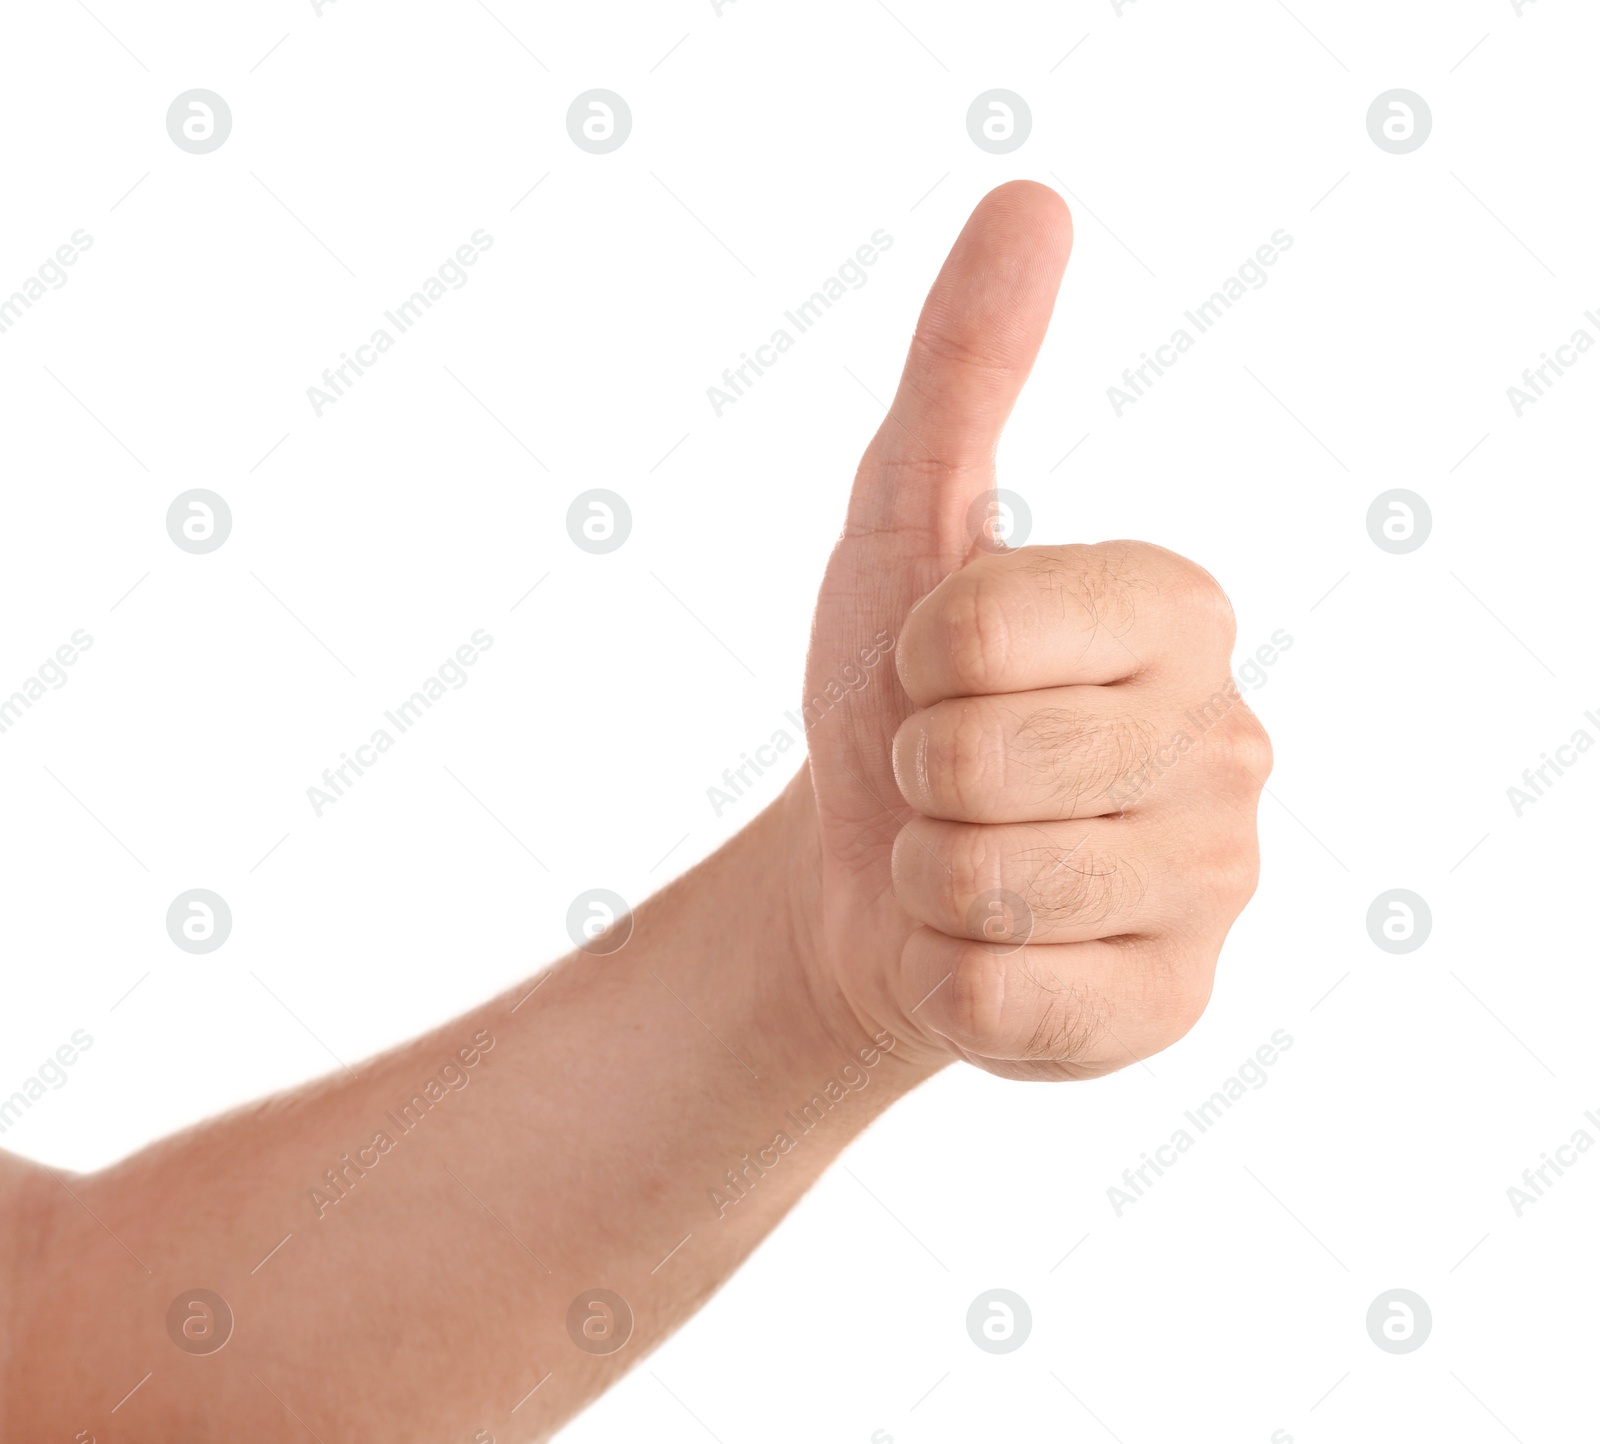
367	544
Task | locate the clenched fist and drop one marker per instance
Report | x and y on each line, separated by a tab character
1035	830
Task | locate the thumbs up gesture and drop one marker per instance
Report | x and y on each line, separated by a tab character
1031	832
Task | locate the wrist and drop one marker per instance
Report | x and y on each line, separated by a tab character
785	846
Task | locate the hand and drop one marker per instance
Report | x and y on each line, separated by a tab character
986	722
1035	828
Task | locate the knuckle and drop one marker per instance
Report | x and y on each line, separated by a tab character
964	760
974	866
1202	602
1186	589
1236	871
1178	992
1189	998
1239	745
974	998
1260	747
1001	1006
977	634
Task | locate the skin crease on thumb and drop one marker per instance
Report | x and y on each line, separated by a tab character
975	342
991	303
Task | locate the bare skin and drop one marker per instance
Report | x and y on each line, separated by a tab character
1053	725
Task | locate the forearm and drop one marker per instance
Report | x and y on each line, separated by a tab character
970	864
637	1123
